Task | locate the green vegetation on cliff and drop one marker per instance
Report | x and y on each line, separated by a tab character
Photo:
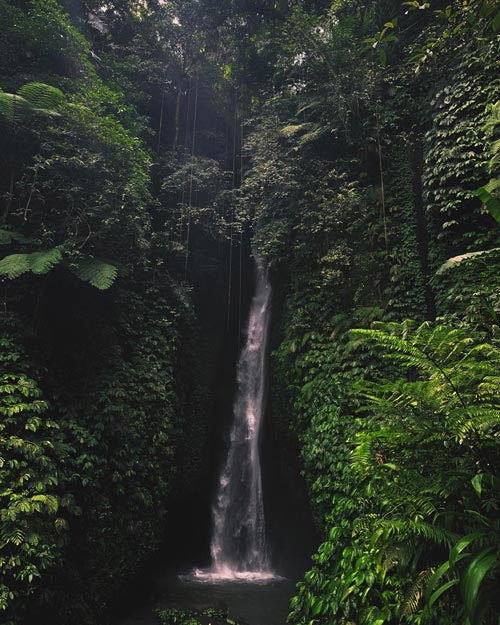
369	163
357	144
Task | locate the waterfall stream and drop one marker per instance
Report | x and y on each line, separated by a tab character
238	544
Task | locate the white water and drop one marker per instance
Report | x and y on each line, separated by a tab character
238	547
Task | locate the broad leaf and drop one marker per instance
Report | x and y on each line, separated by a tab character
441	590
492	202
474	575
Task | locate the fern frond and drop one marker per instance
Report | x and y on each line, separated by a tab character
425	505
12	106
396	554
8	236
293	130
362	454
315	133
485	421
101	274
415	592
489	390
34	97
404	528
14	265
364	523
311	105
43	262
455	261
397	348
41	96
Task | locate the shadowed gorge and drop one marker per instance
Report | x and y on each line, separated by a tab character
250	311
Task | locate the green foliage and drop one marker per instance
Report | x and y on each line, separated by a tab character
31	99
211	616
363	182
456	159
411	525
82	203
33	518
39	263
489	193
99	273
360	181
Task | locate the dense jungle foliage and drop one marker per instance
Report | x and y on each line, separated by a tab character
146	145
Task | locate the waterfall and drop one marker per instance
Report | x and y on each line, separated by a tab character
238	545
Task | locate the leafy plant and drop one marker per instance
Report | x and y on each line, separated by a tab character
211	616
33	525
34	98
98	272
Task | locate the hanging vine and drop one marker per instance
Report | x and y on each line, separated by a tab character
191	174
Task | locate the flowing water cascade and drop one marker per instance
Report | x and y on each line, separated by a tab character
238	545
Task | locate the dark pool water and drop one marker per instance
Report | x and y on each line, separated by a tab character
252	603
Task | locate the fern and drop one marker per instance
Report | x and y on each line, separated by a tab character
43	262
456	261
9	236
415	593
42	97
405	529
12	106
99	273
292	130
32	98
14	265
396	554
446	394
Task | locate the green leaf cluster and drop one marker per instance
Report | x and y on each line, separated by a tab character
34	511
